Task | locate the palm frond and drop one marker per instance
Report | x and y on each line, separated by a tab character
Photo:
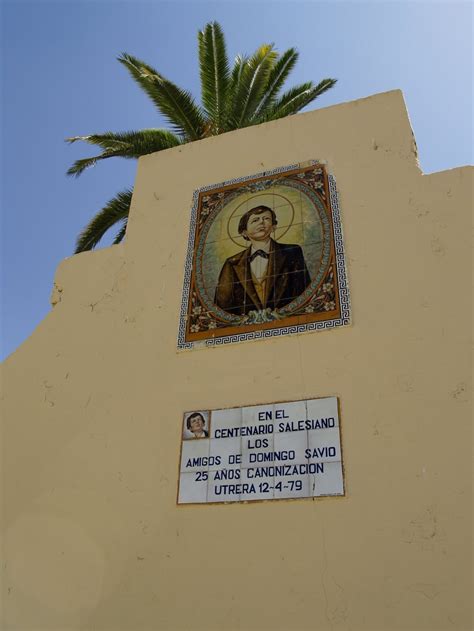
107	140
81	165
298	97
276	78
234	88
214	72
121	233
286	101
236	74
116	209
251	85
118	140
130	144
176	105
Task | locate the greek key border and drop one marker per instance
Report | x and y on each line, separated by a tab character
343	289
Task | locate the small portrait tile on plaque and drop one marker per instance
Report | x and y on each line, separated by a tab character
196	425
265	257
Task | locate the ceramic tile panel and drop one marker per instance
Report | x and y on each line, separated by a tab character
225	490
197	424
258	415
257	450
327	481
195	455
226	420
324	444
289	413
254	488
192	491
291	486
324	410
261	452
265	257
293	443
225	452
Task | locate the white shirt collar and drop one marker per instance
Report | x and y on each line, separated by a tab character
262	246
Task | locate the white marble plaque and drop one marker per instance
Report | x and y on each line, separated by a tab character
286	450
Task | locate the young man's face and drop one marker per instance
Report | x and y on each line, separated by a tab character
259	227
196	424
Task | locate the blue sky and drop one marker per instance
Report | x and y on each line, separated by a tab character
61	78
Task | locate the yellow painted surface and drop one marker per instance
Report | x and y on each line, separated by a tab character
93	405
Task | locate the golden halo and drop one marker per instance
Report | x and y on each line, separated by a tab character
246	201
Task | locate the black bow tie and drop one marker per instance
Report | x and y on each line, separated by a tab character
261	253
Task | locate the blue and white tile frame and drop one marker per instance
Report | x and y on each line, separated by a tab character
343	289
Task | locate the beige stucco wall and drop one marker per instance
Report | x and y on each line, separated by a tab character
93	403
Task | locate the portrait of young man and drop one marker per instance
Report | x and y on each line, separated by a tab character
267	274
265	257
195	424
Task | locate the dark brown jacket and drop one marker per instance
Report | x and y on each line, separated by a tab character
287	278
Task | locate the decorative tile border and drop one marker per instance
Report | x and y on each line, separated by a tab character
258	332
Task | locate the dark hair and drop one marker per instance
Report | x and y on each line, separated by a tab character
188	420
258	210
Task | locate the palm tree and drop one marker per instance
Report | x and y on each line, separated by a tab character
246	94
